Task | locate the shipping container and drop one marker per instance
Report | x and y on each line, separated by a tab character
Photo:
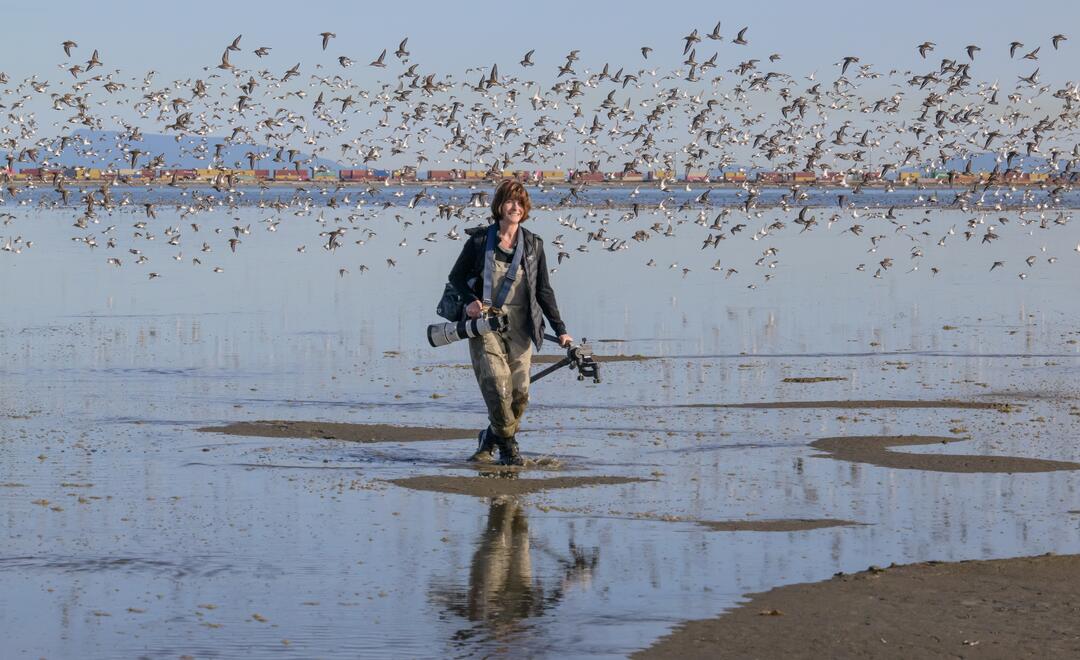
734	177
908	177
380	174
291	175
441	175
262	174
1039	177
803	177
554	175
585	176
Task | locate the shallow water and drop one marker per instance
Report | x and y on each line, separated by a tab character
128	533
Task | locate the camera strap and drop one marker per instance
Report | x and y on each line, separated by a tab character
489	267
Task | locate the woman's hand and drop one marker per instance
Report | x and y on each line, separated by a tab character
474	309
565	341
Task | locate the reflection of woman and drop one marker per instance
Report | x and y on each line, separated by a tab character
501	360
505	587
501	588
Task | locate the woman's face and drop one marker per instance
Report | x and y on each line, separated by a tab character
511	211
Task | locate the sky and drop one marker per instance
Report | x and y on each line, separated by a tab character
178	38
185	40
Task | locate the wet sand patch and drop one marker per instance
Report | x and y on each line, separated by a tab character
364	433
812	379
874	450
867	403
548	358
775	525
495	485
1024	607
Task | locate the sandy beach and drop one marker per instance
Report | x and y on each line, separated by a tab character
1007	608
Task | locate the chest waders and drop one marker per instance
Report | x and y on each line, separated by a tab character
501	360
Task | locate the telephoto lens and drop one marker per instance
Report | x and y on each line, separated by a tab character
441	334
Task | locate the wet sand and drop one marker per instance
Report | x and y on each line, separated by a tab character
777	525
548	358
875	451
495	485
1025	607
365	433
870	404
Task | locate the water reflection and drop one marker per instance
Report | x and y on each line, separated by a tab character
506	589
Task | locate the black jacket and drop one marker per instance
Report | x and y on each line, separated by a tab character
470	264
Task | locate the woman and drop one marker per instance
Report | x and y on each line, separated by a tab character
501	360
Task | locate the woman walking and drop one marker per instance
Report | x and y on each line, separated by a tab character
502	270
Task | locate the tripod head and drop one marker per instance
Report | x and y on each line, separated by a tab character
579	358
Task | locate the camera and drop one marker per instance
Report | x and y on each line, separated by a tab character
441	334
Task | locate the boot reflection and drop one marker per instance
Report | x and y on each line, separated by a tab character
505	587
502	588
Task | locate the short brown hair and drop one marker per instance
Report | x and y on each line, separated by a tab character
507	190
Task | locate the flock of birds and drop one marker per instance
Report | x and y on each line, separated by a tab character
709	113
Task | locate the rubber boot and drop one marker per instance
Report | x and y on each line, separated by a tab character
508	452
485	448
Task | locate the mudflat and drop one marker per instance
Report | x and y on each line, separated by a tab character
365	433
1006	608
549	358
870	404
875	450
775	525
495	485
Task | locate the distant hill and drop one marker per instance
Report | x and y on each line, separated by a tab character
105	149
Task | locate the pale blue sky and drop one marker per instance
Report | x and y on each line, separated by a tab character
179	38
447	38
